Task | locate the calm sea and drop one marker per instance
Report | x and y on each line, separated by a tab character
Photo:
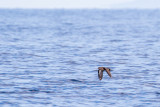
50	58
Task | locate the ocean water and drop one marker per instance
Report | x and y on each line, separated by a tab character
50	58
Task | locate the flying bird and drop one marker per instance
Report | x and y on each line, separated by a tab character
100	72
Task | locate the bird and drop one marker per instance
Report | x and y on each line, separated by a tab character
100	72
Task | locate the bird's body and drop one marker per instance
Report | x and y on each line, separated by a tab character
100	72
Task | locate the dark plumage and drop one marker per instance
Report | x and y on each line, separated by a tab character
100	72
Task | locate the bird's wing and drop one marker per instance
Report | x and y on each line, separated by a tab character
109	73
100	74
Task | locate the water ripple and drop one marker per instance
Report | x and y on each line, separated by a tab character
50	57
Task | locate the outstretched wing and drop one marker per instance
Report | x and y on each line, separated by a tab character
108	72
100	74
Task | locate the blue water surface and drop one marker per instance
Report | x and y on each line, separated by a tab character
50	58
